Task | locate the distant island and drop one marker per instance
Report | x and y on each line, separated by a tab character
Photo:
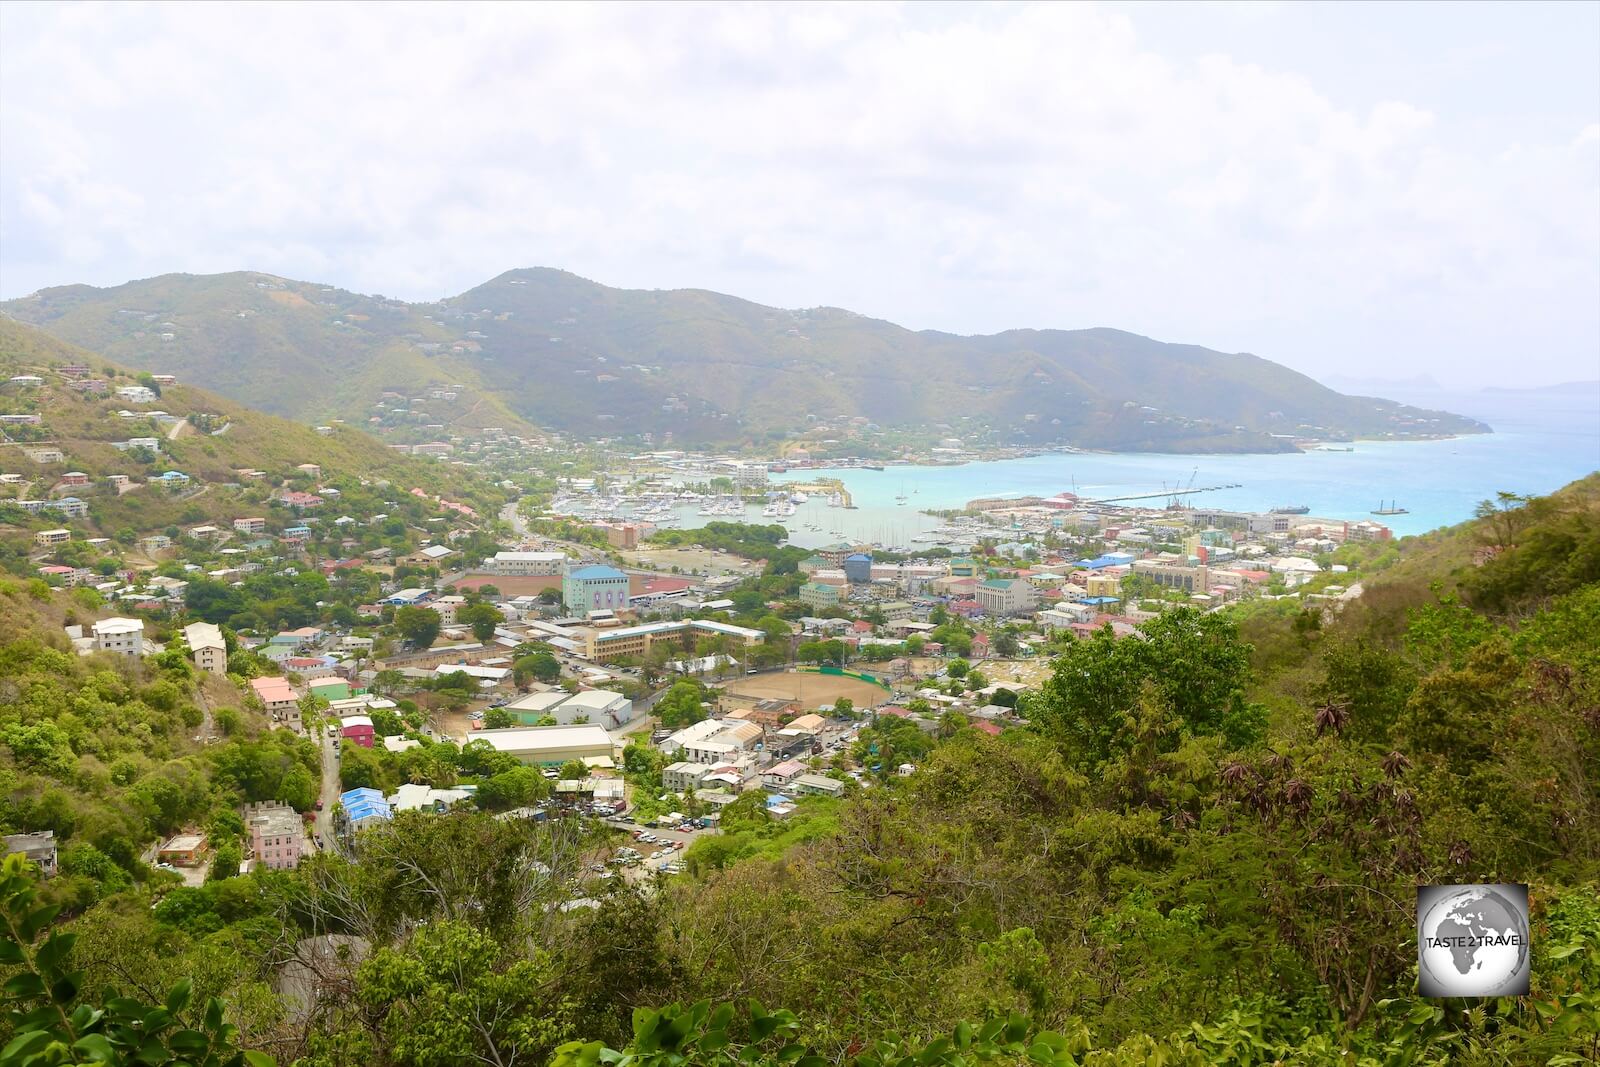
543	348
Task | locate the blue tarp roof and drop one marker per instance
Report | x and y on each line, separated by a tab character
1110	559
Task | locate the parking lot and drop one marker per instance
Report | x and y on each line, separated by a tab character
662	853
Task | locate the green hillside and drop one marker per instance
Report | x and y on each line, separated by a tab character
549	348
211	440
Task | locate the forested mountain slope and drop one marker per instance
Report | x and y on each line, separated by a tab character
557	350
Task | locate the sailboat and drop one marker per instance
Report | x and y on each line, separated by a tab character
1392	509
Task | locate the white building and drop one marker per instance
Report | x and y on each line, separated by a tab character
712	741
1005	596
125	637
552	745
527	564
205	642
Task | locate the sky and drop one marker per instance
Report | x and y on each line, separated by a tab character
1378	191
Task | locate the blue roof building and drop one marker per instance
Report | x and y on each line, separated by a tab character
858	568
595	587
365	806
1110	559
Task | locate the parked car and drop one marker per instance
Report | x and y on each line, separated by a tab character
318	806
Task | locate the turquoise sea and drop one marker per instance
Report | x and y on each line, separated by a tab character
1541	442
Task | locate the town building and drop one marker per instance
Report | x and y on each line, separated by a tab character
279	698
251	525
712	741
38	848
359	730
599	706
683	776
817	595
123	637
52	537
1006	596
857	568
817	785
277	836
603	645
183	850
596	587
364	807
551	746
1190	579
527	564
206	646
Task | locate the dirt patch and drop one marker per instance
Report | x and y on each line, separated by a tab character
691	561
809	690
288	299
516	585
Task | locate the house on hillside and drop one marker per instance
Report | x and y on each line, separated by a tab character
122	637
206	646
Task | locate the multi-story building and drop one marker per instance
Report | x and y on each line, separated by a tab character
1190	579
251	525
52	537
1006	596
279	698
39	848
603	645
205	642
857	568
683	776
277	836
1104	584
596	587
817	595
136	394
526	564
124	637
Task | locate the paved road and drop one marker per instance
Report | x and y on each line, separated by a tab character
330	789
513	518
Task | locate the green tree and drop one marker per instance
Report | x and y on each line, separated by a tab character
225	861
483	618
418	625
680	705
52	1023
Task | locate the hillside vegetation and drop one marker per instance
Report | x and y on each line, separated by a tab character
1159	869
550	348
212	442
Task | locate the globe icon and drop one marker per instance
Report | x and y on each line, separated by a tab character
1473	942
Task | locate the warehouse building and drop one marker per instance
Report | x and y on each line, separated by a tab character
551	746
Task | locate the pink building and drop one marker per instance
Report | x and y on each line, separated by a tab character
358	728
277	836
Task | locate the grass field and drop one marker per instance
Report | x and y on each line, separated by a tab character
810	690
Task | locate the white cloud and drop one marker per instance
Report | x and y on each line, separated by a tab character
969	169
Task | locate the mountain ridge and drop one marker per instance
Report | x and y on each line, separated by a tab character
545	347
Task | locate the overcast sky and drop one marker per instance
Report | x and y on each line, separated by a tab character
1358	189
